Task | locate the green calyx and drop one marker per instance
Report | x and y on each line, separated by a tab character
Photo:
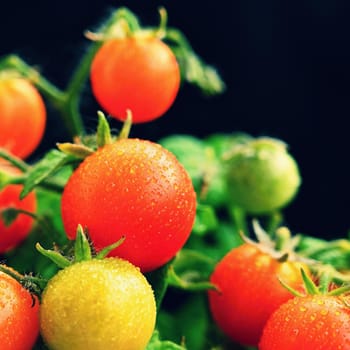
83	250
33	284
125	24
324	287
84	147
280	246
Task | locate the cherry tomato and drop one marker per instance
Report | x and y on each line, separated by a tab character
133	188
19	315
136	73
249	291
12	235
97	305
23	116
262	176
317	322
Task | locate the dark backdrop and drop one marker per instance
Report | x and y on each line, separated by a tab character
286	65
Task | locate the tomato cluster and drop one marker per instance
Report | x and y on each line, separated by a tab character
133	221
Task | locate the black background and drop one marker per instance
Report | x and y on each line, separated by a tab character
286	65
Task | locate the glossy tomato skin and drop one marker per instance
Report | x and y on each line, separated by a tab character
136	73
317	322
97	305
18	230
249	291
137	189
23	116
19	315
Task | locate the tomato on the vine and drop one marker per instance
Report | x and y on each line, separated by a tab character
23	116
13	234
98	304
249	291
317	322
19	315
133	188
262	176
136	73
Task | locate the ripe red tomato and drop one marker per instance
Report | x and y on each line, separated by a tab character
19	315
23	116
136	73
317	322
18	230
249	291
133	188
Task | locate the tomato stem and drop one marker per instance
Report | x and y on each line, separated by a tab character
17	162
239	218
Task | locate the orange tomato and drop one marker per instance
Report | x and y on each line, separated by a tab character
18	230
133	188
136	73
19	315
22	116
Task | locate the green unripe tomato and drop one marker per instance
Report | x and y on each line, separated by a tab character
223	143
262	176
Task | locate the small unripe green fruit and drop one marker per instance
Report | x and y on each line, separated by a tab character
262	176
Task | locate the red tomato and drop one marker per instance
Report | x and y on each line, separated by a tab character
23	116
317	322
18	230
19	315
136	73
249	291
133	188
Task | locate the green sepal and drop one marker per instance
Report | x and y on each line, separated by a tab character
33	284
82	249
76	150
309	284
54	256
103	135
125	131
105	251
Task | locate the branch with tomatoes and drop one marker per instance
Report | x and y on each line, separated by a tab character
114	242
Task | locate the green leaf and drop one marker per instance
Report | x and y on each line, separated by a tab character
194	70
190	271
47	166
216	244
157	344
159	282
206	219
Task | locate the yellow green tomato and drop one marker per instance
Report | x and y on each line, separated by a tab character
262	176
99	304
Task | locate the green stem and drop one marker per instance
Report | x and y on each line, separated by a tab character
239	219
54	94
18	163
47	184
65	104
